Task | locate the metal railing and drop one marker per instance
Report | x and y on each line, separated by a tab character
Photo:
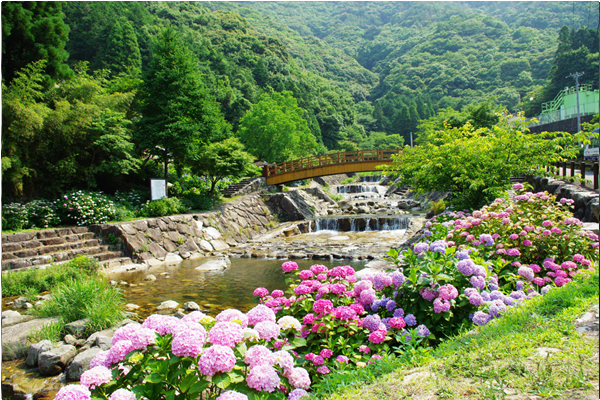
347	157
567	170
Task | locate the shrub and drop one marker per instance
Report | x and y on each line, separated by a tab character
200	357
199	202
437	207
14	217
86	208
162	207
88	298
42	214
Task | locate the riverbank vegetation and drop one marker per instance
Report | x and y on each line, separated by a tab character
506	279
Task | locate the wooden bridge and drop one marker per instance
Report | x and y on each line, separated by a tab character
327	164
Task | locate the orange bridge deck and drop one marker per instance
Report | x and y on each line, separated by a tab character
327	164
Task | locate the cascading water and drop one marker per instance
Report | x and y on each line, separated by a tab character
362	224
357	189
370	178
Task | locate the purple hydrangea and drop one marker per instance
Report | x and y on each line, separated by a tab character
526	273
479	270
478	282
496	308
391	305
398	279
463	255
371	322
367	297
496	295
476	299
398	312
466	266
297	394
448	292
382	280
421	247
410	320
486	239
423	331
480	318
485	296
439	246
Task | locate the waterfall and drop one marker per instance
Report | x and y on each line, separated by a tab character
362	224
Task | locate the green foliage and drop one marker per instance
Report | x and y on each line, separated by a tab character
162	207
177	109
274	129
33	31
438	207
476	164
41	280
223	159
89	298
52	332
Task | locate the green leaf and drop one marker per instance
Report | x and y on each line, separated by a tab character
188	381
154	378
221	380
199	387
174	360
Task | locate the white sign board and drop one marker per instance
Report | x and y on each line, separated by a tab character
158	189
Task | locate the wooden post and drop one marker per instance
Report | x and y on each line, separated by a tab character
582	168
572	170
564	165
595	169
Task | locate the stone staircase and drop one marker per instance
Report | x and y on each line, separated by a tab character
245	186
35	249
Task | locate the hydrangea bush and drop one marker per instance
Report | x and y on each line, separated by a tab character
234	356
85	208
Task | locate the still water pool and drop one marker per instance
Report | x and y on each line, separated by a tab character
211	290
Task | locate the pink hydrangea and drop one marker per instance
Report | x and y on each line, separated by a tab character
258	355
96	376
323	370
122	394
263	378
118	351
289	266
162	324
215	359
448	292
342	359
299	378
323	306
125	332
377	337
344	313
308	319
440	305
277	293
326	353
188	343
260	292
260	313
306	274
73	392
268	330
232	395
283	359
319	269
364	349
101	358
226	334
230	315
194	316
397	323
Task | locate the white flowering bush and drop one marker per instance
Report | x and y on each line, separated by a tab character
14	217
234	356
85	208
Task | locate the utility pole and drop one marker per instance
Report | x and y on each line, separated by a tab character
411	141
576	75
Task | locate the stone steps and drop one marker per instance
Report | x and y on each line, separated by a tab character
39	248
245	186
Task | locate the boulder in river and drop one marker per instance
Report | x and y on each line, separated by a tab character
14	338
54	361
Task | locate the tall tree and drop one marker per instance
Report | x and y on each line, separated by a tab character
177	109
274	130
32	31
122	50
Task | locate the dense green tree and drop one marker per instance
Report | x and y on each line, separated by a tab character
32	31
222	159
122	50
274	130
458	160
74	135
176	107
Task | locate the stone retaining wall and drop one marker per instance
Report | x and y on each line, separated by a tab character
586	200
153	241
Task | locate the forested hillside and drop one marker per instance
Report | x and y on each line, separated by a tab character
350	74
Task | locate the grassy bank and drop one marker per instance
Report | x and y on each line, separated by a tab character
533	350
78	292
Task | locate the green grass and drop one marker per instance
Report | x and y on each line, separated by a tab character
34	281
89	298
499	360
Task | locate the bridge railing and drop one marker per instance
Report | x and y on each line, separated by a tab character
346	157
